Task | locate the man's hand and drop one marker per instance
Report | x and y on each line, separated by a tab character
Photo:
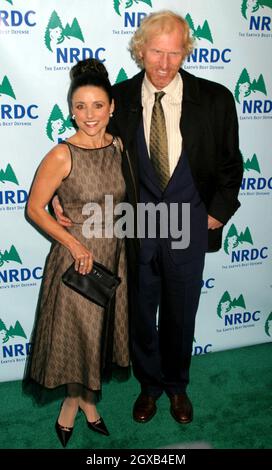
58	210
213	223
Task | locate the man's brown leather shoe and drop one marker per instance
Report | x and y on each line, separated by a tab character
181	408
144	408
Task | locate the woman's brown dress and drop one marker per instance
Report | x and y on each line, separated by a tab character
67	342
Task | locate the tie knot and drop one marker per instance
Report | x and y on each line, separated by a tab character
159	95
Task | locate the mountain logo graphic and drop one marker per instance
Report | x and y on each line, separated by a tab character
268	325
6	88
251	6
11	255
124	4
201	32
13	331
232	239
8	175
244	86
57	124
226	303
121	76
55	33
252	164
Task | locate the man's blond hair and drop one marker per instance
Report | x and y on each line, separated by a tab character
156	23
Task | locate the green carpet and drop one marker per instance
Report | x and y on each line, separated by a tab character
230	390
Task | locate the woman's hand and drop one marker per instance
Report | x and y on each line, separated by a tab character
83	258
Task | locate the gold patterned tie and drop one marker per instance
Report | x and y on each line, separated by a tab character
158	142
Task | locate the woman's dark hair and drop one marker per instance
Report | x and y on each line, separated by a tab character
88	72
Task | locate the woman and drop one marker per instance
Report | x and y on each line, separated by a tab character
83	169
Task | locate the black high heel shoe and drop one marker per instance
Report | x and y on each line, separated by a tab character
98	426
64	433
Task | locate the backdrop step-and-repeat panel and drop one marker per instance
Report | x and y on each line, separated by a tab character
40	41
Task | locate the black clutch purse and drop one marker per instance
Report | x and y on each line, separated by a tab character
99	285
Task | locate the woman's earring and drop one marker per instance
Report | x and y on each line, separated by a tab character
111	114
73	117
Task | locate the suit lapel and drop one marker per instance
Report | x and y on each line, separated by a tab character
134	107
191	116
146	165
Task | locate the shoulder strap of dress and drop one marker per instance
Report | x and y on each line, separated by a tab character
118	142
65	142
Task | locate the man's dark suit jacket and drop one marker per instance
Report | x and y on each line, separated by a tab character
209	129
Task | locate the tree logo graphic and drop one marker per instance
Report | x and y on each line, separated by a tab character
7	334
9	1
244	86
55	33
226	303
233	240
252	164
11	255
6	88
57	124
268	325
251	6
201	32
124	4
8	175
121	76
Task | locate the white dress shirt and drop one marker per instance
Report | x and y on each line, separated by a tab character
171	103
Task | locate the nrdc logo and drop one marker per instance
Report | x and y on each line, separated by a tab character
234	240
253	183
20	21
9	198
14	114
56	34
201	349
131	19
203	55
241	317
268	325
9	349
251	10
245	87
58	126
11	275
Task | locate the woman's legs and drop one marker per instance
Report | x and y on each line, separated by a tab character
77	397
70	406
87	403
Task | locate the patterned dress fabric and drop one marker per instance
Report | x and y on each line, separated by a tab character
67	341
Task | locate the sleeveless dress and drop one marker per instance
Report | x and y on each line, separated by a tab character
68	334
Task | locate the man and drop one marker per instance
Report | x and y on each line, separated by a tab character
205	170
198	146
